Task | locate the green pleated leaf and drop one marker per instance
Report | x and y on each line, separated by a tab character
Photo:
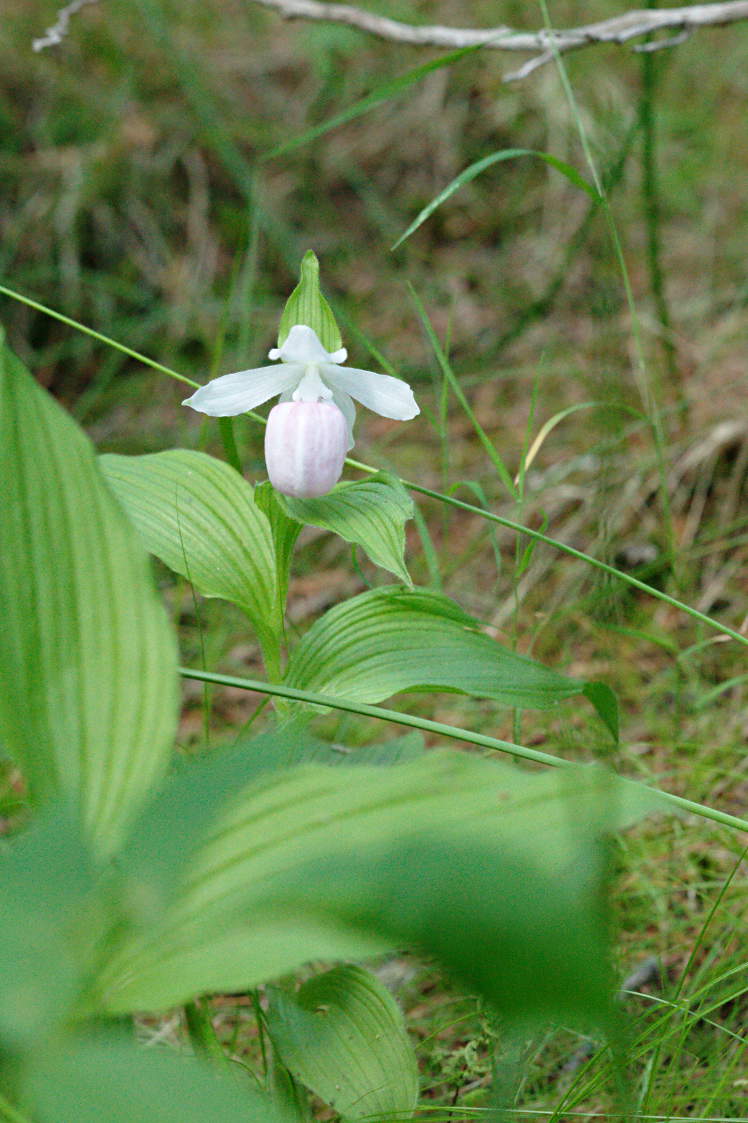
299	865
390	639
371	514
199	516
88	661
575	177
343	1036
109	1079
307	305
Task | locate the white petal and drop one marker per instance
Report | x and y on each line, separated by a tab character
344	402
235	393
302	345
388	396
312	388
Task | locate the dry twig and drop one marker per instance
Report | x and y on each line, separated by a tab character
619	29
54	35
542	44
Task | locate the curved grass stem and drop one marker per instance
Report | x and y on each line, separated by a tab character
106	339
451	731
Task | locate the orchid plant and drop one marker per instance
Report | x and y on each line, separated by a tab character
310	431
148	887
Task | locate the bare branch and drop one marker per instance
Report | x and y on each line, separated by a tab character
54	35
661	44
541	44
620	29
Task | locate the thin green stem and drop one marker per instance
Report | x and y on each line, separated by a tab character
96	335
451	731
652	208
280	690
226	428
449	375
649	399
650	590
202	1034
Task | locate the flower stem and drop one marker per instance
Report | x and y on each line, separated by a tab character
202	1034
226	427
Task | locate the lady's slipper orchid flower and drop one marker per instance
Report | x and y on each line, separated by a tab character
298	441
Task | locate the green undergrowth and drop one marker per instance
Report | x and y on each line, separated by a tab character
140	199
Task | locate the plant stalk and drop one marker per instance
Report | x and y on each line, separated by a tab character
452	731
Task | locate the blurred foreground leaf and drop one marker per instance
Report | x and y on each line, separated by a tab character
114	1080
198	791
87	659
46	887
479	863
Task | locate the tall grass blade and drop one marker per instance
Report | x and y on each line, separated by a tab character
575	177
381	94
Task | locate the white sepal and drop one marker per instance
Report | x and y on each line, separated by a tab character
302	345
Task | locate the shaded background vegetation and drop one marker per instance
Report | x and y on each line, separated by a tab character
140	196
